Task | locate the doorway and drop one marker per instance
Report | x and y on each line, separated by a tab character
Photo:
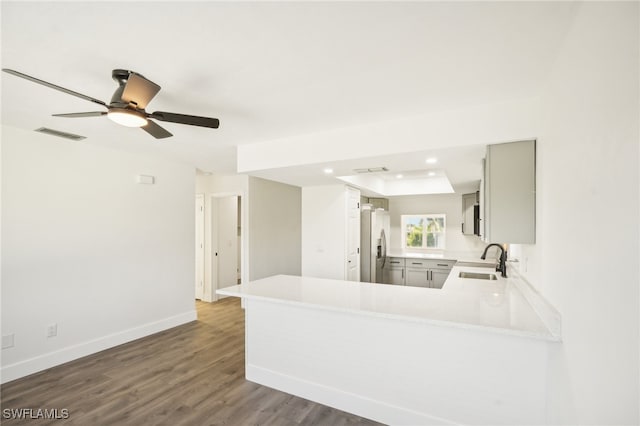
226	255
226	239
221	234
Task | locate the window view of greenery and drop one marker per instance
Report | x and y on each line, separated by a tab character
414	228
424	231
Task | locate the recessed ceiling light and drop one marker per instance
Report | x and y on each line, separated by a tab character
431	174
431	160
399	176
328	170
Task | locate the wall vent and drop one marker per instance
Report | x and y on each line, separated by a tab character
60	134
371	170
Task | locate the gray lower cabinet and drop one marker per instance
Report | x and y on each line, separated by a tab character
438	277
417	277
395	276
393	272
417	272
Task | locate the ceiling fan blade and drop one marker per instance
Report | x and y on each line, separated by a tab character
53	86
155	130
192	120
139	90
82	114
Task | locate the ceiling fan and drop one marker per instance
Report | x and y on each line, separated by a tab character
128	103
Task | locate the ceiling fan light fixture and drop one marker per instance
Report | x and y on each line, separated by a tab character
127	118
128	103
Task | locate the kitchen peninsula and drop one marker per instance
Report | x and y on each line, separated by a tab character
403	355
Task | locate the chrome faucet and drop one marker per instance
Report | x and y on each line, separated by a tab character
502	266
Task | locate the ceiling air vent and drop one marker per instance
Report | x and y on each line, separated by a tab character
60	134
371	170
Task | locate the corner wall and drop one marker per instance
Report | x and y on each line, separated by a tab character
87	248
274	228
324	227
585	261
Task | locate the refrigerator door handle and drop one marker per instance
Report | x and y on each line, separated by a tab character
383	243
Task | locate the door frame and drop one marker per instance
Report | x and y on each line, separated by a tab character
211	272
200	218
350	228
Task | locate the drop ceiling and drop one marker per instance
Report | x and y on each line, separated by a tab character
272	70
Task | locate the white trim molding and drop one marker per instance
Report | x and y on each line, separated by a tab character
42	362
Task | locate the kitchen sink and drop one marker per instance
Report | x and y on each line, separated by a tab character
478	276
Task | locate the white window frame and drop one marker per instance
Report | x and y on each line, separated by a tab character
406	217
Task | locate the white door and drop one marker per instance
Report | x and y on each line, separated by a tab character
353	234
227	209
199	246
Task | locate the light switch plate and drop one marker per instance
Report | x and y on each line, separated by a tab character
52	330
8	341
148	180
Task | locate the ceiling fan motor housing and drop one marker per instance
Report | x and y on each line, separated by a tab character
121	77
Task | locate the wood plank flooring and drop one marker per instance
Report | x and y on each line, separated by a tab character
189	375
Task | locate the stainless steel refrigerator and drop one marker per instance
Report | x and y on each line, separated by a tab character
374	231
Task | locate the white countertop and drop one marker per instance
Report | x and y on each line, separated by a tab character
496	306
461	256
416	255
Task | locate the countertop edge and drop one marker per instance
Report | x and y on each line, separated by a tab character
228	291
541	306
445	255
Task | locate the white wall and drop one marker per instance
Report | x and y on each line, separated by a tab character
585	261
449	204
222	184
324	223
274	228
86	247
478	125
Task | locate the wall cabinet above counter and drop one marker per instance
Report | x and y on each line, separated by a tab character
376	203
471	213
508	193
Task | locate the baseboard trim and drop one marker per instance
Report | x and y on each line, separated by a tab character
42	362
345	401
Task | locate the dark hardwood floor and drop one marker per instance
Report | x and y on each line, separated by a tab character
189	375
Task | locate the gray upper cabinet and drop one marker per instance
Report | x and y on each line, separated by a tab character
468	219
379	203
509	198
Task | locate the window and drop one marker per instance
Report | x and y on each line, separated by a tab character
424	231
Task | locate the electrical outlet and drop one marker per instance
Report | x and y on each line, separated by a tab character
52	330
8	341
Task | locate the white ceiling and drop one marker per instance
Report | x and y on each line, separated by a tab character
462	166
275	70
